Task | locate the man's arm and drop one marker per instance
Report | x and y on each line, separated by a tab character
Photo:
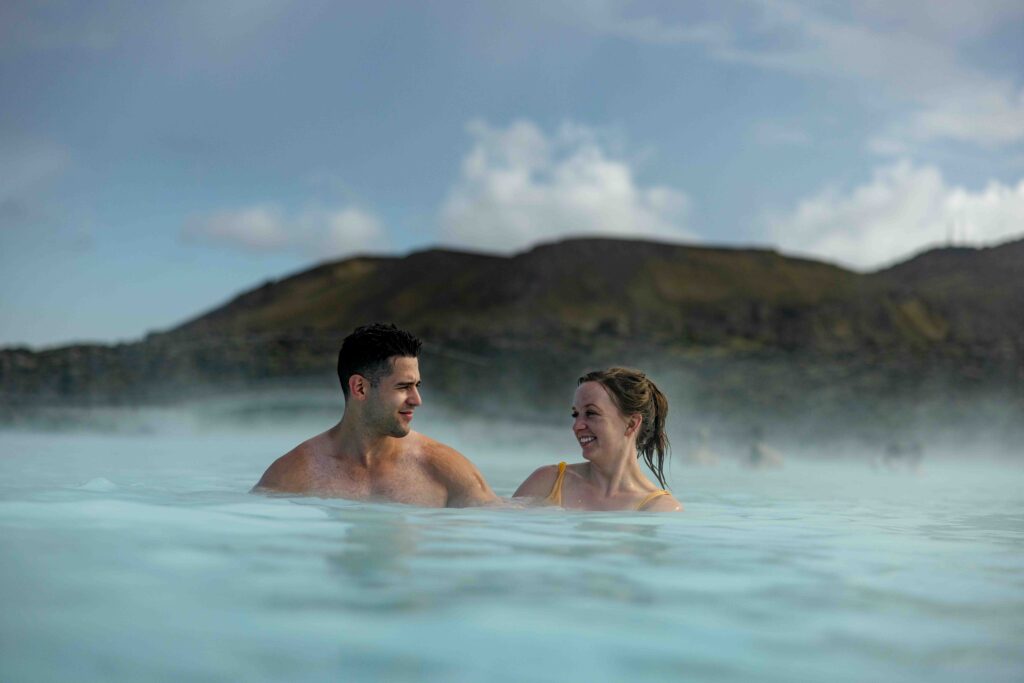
465	485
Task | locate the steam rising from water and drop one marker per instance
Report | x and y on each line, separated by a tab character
133	551
284	417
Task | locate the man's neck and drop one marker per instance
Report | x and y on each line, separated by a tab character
355	443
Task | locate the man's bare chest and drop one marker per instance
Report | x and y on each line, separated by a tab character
398	483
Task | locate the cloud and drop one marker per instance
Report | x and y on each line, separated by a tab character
347	230
916	59
902	209
518	186
991	115
317	232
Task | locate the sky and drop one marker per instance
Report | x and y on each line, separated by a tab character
157	159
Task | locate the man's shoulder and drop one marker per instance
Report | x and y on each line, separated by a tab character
465	484
291	472
432	450
440	458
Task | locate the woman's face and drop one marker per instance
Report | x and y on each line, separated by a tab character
597	423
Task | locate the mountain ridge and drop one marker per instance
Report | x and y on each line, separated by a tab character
573	302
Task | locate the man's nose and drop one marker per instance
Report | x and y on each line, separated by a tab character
414	397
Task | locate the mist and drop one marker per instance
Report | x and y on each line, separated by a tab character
508	440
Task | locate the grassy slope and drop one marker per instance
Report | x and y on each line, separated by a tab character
603	290
547	310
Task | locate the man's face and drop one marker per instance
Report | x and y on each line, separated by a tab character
391	403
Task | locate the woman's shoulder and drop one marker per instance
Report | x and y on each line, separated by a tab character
665	502
539	483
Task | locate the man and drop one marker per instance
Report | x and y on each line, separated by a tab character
373	454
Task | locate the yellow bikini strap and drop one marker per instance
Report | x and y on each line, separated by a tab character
649	497
555	497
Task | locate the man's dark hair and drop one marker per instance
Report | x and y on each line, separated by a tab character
368	350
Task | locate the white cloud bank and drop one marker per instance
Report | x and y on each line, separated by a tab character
917	59
902	209
519	186
318	233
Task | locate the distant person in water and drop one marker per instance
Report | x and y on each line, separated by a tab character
618	416
372	453
761	455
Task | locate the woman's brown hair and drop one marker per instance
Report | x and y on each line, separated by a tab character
634	393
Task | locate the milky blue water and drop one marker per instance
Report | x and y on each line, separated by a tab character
137	554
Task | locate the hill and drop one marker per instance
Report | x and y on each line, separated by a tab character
725	321
977	293
613	294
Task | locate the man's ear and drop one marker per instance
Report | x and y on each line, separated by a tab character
358	386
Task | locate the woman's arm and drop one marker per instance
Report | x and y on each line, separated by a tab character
538	484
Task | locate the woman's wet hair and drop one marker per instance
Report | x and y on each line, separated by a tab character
634	393
369	349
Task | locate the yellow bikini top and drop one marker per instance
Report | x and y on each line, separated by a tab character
555	497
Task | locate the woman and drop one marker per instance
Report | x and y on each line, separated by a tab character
618	416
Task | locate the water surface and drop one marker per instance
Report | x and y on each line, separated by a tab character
137	554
